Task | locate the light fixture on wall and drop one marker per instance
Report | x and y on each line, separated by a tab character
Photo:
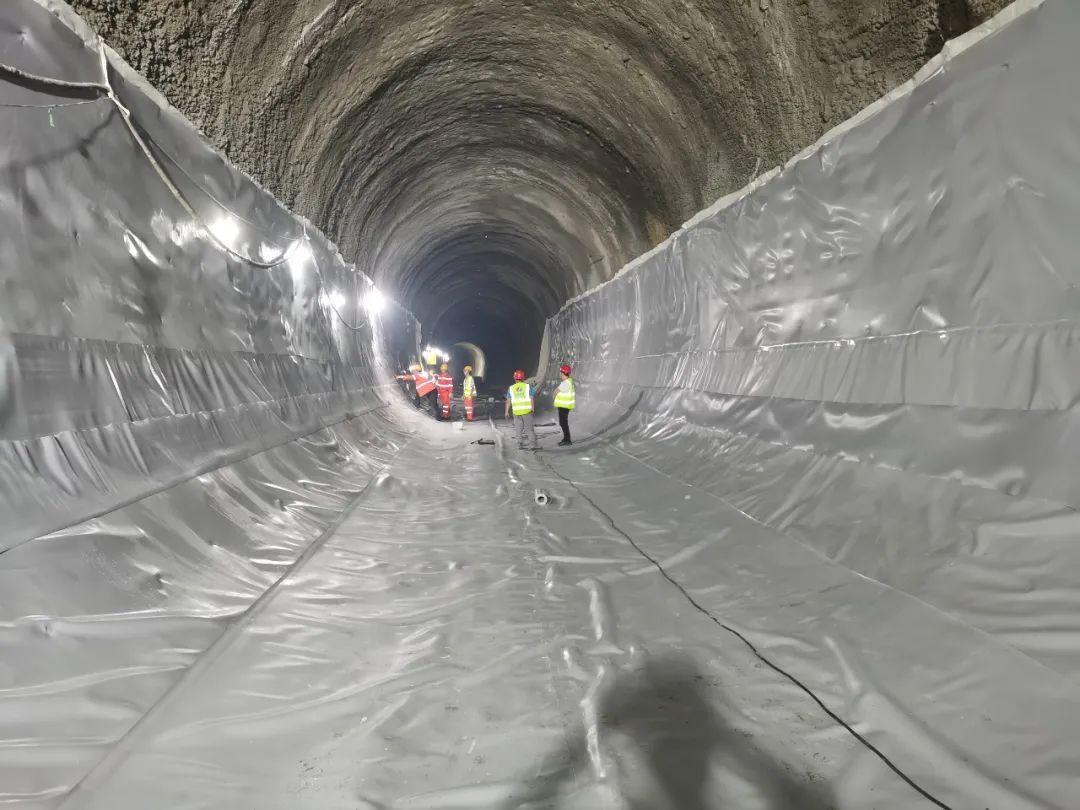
374	301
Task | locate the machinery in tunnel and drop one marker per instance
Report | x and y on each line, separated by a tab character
815	545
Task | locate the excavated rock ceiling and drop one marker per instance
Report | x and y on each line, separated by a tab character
484	160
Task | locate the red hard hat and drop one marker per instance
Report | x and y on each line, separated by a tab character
519	375
565	369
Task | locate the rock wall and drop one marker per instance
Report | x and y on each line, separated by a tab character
488	159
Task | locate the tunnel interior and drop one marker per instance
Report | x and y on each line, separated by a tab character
814	543
485	161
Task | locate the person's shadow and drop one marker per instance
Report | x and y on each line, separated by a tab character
664	712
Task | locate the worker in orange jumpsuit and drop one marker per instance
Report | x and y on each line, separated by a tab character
411	376
425	387
468	393
444	383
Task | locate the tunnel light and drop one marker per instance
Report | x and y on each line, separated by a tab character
225	229
298	260
431	354
374	301
334	299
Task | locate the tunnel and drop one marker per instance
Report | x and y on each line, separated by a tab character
811	266
484	162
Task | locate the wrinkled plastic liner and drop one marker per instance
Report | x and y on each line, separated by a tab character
868	357
815	545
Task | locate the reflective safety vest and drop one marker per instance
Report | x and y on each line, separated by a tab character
520	399
468	387
445	383
425	384
564	395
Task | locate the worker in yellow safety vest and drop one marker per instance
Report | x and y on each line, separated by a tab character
564	402
520	403
468	393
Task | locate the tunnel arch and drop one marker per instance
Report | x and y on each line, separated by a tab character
484	161
472	355
796	416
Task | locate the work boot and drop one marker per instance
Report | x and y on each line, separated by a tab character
565	443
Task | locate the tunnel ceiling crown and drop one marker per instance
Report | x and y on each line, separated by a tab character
484	161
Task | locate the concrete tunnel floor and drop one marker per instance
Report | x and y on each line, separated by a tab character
449	643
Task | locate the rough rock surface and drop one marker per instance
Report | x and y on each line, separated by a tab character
486	159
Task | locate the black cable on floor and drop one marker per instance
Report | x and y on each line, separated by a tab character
774	667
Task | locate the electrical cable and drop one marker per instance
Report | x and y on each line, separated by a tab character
125	115
49	81
105	90
205	191
775	667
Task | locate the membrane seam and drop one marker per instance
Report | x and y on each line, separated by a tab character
104	767
775	667
201	470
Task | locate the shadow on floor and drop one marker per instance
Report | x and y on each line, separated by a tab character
663	712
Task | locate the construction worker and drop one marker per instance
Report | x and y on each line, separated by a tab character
564	402
410	376
430	391
468	393
521	403
425	387
445	385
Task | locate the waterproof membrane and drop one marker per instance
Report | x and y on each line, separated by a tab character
815	545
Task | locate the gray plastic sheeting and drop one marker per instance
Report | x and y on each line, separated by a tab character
172	350
137	350
815	546
870	359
